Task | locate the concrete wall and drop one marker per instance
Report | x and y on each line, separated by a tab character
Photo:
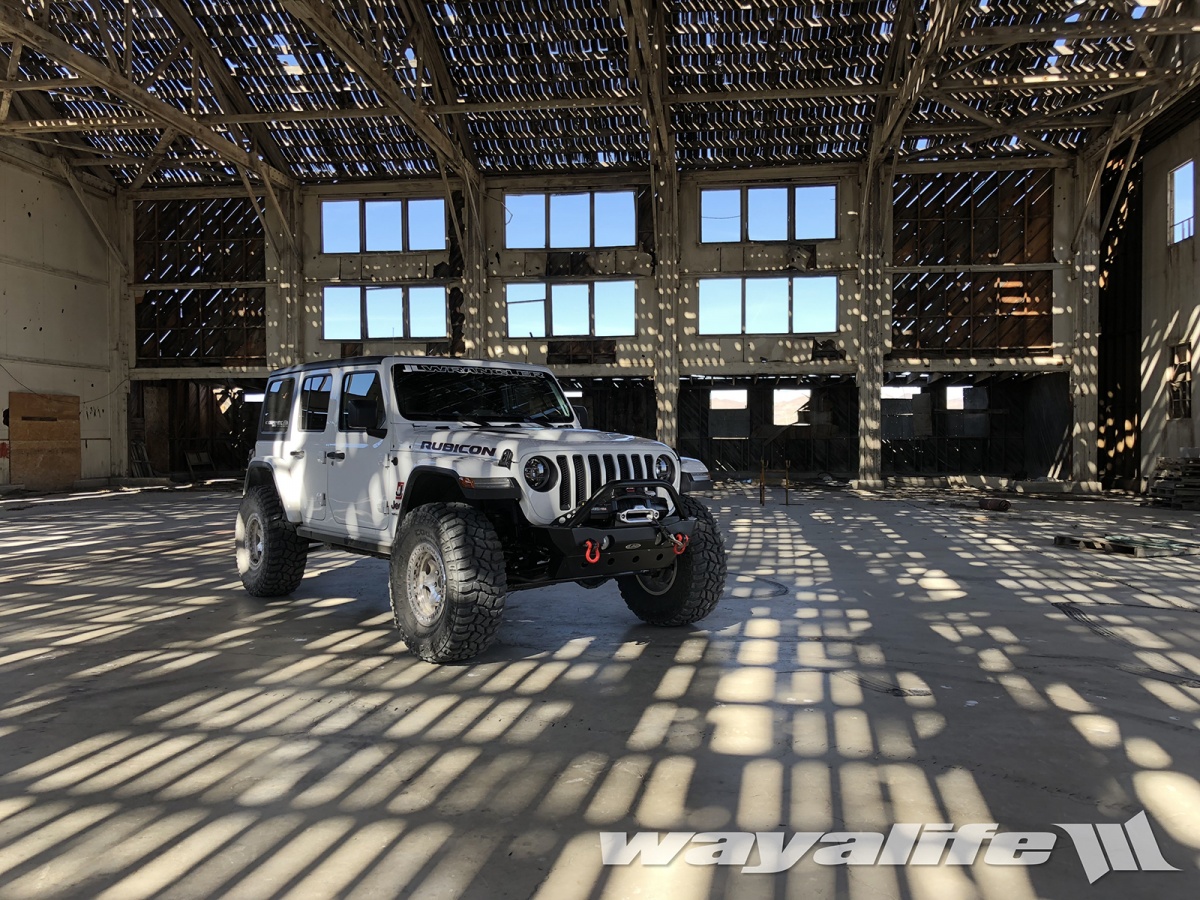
1170	303
57	291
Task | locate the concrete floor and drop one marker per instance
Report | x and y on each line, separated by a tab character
877	660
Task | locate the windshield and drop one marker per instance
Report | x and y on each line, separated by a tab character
478	394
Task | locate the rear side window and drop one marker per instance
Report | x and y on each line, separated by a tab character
277	407
314	402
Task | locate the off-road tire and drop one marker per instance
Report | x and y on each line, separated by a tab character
698	581
270	555
450	550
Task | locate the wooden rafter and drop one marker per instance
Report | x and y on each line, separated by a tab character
1063	30
429	53
229	92
6	92
18	26
322	21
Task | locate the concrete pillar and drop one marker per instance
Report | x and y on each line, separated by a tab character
1083	301
665	184
285	272
874	303
475	271
122	339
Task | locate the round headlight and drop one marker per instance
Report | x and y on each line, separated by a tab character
664	468
539	473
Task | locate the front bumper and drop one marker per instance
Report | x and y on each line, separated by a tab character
580	549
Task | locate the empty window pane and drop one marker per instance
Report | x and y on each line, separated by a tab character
384	225
343	314
385	312
426	224
720	216
814	305
1182	202
525	218
427	312
767	214
616	219
314	402
721	306
734	398
790	405
615	308
816	212
569	309
766	305
339	226
526	310
570	220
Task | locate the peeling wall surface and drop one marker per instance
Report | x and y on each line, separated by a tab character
1170	304
55	303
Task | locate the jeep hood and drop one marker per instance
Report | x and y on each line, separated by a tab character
490	440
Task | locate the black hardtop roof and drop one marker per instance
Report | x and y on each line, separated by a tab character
351	361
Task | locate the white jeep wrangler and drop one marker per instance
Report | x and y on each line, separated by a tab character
473	479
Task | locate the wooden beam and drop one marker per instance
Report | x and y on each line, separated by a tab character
18	26
1146	111
320	18
163	64
229	92
1045	81
1014	128
160	150
101	230
11	70
944	18
43	84
1062	30
429	53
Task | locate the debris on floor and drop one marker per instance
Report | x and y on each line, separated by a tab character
1130	545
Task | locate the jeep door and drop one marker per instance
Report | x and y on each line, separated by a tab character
308	453
361	479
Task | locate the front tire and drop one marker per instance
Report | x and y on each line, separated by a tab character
270	555
688	589
447	582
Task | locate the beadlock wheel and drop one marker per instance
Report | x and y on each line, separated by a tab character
426	583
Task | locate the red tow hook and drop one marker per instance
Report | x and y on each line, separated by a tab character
679	543
591	552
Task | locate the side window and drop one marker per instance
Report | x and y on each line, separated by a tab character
277	407
314	402
362	401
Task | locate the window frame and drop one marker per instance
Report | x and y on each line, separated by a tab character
791	298
364	333
405	231
342	409
1186	226
303	408
548	228
293	394
791	188
548	309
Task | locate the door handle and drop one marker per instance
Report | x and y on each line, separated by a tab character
299	454
335	455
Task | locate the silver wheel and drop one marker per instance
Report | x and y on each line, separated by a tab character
659	581
426	583
255	541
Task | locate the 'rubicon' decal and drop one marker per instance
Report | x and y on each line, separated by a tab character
471	449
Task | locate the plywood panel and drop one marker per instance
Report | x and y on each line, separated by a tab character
43	431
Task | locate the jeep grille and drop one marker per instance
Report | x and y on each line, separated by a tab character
580	475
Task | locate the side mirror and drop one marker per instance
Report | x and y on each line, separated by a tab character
581	413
